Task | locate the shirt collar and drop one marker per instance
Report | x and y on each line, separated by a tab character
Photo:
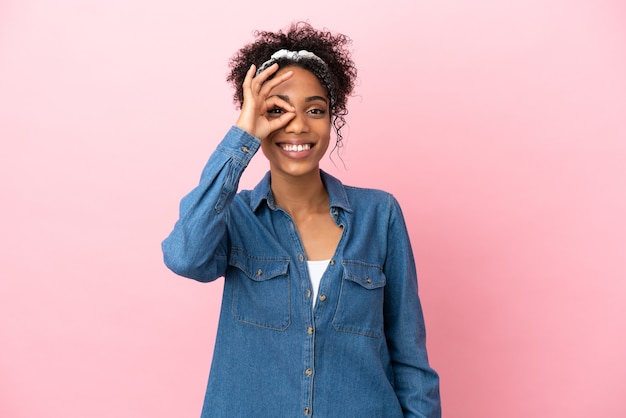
336	193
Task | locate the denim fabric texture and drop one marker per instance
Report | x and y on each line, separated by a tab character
360	352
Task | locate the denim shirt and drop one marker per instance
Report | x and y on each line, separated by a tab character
359	352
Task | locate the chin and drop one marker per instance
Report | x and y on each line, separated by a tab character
296	170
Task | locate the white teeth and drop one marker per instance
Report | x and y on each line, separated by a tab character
296	148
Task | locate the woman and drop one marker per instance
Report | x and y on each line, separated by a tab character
320	313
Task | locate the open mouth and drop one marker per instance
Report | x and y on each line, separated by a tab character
295	148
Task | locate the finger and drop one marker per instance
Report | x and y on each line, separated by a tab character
266	73
259	79
276	101
247	83
281	121
279	79
250	74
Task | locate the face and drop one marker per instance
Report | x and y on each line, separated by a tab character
297	148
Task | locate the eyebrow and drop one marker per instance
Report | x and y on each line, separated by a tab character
308	99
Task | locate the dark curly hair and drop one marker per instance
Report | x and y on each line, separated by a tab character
339	77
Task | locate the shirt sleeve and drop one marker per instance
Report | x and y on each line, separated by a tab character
415	382
197	246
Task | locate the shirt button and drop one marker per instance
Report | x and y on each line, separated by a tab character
245	149
309	330
259	272
332	262
301	257
309	372
336	213
367	279
322	298
306	411
308	293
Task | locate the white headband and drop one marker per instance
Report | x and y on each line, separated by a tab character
290	55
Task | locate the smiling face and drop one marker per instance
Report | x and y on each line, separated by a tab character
297	148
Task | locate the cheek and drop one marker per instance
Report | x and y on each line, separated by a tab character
325	142
326	131
266	146
323	127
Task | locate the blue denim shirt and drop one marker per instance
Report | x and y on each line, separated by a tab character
359	352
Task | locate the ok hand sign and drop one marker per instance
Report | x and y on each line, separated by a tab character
257	103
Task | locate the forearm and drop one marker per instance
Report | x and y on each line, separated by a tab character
196	247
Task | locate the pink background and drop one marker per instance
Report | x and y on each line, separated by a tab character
499	125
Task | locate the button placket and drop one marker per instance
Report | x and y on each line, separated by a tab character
308	339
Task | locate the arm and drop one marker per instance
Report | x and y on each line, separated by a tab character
197	246
416	383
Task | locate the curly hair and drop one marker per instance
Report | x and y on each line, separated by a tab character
339	77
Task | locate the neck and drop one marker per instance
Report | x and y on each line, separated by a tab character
300	195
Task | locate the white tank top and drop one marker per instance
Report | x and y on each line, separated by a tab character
316	271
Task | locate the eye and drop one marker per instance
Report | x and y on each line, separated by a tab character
275	112
317	112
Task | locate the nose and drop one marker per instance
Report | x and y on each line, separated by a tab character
299	124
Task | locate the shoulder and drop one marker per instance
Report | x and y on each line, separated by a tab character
244	200
377	194
369	196
376	203
373	204
354	197
244	194
253	198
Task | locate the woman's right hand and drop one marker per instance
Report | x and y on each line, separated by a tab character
257	103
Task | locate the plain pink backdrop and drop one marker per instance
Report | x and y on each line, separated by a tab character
500	127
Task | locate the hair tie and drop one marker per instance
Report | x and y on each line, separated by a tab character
290	55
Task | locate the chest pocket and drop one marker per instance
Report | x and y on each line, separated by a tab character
261	290
360	305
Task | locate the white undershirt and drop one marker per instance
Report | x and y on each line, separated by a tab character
316	271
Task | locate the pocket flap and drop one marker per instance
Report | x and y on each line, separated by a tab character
258	268
367	275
